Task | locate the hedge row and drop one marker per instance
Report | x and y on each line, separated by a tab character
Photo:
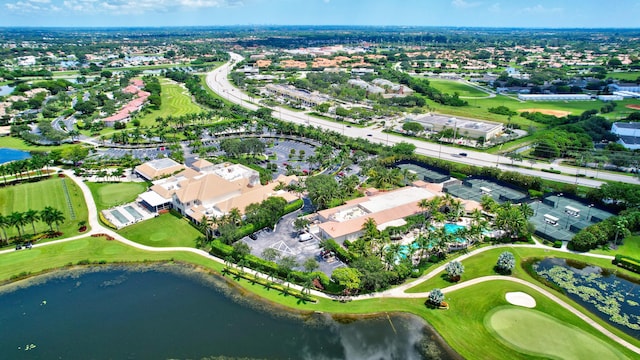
627	262
293	292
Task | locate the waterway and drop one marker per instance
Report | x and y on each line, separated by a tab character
7	155
170	311
610	297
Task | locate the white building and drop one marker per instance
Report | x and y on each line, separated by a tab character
628	133
469	128
554	97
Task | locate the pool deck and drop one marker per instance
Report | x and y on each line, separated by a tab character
130	219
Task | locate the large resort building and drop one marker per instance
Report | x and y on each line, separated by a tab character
306	98
386	208
469	128
209	190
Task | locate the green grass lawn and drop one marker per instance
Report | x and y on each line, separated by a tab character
482	265
176	101
165	230
624	75
525	329
463	326
107	195
43	193
450	87
17	143
630	247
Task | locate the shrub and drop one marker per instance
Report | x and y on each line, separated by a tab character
435	299
627	262
454	270
557	244
506	263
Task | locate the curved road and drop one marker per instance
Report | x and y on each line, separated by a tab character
217	80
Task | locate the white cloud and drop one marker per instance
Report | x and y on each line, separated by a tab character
114	7
462	4
539	9
495	8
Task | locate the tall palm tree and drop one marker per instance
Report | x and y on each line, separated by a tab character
234	215
17	219
31	216
4	224
51	215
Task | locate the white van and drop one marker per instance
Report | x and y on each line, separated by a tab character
305	237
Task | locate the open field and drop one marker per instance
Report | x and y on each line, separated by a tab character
556	113
36	196
525	329
624	75
479	108
107	195
17	143
630	247
450	87
165	230
176	101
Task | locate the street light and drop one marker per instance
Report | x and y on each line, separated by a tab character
558	202
537	207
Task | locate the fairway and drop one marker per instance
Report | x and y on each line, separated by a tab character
450	87
37	195
108	195
176	101
535	333
163	231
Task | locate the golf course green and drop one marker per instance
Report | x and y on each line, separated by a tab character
536	333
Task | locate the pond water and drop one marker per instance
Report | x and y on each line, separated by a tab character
168	311
610	297
7	155
6	90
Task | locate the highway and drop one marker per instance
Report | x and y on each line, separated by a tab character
217	80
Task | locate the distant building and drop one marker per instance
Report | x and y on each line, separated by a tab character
613	97
554	97
305	97
470	128
631	87
155	169
371	89
628	133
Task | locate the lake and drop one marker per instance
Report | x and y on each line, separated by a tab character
7	155
171	311
6	90
614	299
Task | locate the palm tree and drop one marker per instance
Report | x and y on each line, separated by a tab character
4	224
17	219
50	215
506	263
31	216
424	205
436	297
620	226
454	270
234	216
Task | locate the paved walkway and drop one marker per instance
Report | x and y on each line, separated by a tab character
398	292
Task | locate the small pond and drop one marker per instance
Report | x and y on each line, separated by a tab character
7	155
174	312
610	297
6	90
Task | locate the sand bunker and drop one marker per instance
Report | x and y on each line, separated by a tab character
558	113
521	299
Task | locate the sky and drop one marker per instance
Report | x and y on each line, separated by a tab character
458	13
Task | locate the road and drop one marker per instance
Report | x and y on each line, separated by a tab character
217	80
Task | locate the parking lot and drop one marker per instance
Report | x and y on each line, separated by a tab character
143	154
282	150
285	239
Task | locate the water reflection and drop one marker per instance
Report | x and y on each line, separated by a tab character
173	312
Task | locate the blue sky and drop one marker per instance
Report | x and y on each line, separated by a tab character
487	13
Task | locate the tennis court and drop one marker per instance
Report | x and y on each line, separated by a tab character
423	173
560	218
475	189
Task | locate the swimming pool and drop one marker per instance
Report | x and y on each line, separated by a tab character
452	228
133	212
119	216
